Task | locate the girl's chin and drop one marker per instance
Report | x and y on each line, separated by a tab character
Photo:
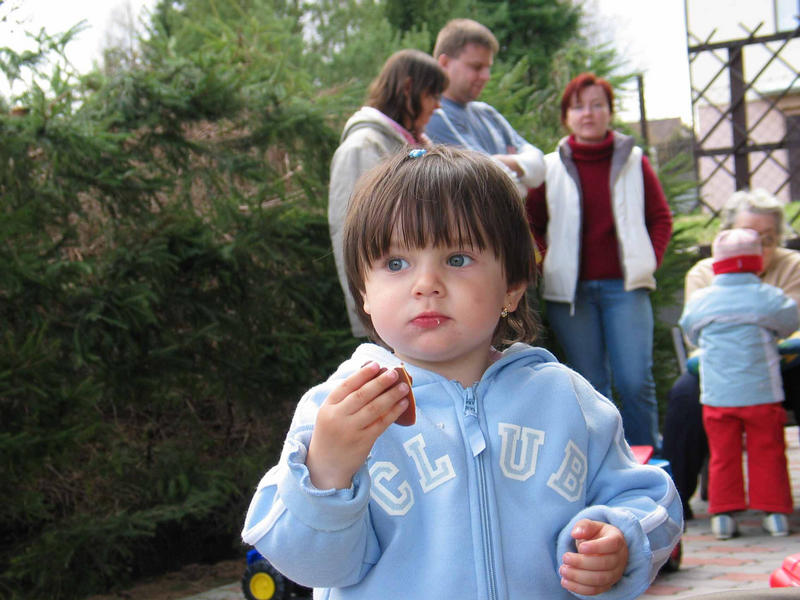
421	355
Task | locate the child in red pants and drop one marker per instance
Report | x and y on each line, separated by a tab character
736	323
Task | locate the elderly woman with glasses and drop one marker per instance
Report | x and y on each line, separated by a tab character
684	439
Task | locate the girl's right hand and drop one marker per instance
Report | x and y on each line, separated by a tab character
352	417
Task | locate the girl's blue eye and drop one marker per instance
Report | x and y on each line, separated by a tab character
396	264
459	260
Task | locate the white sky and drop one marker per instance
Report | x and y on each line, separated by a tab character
57	16
650	34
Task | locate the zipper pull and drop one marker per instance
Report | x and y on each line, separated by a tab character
477	442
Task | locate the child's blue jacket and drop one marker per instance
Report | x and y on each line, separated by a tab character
476	500
736	321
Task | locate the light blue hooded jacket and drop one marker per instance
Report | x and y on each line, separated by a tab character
736	322
476	500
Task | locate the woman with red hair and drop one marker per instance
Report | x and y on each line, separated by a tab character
603	224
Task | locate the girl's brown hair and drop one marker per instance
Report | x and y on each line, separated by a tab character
398	88
445	197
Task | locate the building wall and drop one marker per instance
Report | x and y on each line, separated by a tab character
766	171
767	78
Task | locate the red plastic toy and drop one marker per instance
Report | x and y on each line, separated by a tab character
788	574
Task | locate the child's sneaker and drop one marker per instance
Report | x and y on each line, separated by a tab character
723	526
776	524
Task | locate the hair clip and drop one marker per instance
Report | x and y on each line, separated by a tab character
417	152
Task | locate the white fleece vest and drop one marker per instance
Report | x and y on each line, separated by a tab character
561	263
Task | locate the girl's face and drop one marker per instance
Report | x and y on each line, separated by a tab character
589	115
428	103
438	307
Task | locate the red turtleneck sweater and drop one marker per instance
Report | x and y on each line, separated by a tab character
599	246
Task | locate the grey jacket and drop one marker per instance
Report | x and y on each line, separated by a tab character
368	137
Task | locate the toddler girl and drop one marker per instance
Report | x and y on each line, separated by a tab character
736	322
515	481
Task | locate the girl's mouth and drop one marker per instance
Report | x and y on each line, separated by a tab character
429	320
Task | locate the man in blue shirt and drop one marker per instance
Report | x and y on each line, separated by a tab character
466	50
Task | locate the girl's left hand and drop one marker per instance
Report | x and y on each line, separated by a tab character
600	561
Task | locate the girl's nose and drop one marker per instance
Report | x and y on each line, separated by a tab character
428	282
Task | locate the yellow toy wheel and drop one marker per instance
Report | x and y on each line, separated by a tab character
262	586
262	582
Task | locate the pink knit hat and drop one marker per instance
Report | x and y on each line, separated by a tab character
737	251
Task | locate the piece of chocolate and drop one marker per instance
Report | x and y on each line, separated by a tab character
409	417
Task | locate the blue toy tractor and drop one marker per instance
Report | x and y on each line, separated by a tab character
262	581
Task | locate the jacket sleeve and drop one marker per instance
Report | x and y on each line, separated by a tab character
783	316
657	214
640	500
698	277
788	276
350	161
536	206
300	529
529	158
689	319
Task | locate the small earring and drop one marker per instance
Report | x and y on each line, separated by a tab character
504	312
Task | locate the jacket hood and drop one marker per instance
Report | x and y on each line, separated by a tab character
366	352
371	118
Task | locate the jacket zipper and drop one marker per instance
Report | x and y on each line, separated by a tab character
576	180
471	412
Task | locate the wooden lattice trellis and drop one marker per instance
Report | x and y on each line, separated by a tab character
733	147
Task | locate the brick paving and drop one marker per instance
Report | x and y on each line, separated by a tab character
708	565
742	563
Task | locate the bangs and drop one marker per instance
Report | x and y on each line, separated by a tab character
417	222
419	202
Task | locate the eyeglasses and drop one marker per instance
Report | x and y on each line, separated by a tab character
768	239
595	107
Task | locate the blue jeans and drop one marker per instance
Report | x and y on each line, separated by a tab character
610	338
